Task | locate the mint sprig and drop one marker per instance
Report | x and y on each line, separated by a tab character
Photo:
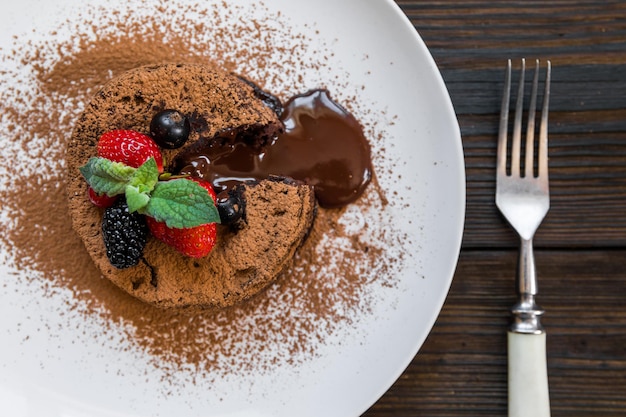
180	203
141	184
107	177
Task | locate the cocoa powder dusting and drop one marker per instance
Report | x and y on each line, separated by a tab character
328	285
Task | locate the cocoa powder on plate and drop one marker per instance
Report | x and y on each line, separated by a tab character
328	285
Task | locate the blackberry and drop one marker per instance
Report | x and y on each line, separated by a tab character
170	129
124	235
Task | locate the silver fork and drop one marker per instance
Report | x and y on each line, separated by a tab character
524	200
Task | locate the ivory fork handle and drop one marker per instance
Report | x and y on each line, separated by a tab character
528	375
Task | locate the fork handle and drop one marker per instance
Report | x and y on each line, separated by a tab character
528	376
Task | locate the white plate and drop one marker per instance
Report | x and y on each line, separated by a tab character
52	366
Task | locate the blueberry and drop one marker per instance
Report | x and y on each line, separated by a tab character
230	207
170	129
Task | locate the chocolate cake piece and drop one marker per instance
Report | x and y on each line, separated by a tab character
278	212
213	100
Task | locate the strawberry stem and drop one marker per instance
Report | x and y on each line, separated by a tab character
166	176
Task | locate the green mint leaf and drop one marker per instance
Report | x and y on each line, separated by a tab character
146	176
141	185
107	177
181	203
136	199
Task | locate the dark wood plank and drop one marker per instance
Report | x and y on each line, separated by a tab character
586	41
461	369
477	34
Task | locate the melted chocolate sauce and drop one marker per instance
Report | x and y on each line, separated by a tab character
323	145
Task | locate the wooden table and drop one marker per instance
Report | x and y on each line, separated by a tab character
581	245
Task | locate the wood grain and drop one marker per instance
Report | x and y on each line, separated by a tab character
461	368
581	246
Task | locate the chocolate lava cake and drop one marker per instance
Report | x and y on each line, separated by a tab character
278	211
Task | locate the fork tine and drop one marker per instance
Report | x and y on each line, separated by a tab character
543	128
504	121
530	128
517	126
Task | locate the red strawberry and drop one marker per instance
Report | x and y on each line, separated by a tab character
129	147
101	200
195	242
